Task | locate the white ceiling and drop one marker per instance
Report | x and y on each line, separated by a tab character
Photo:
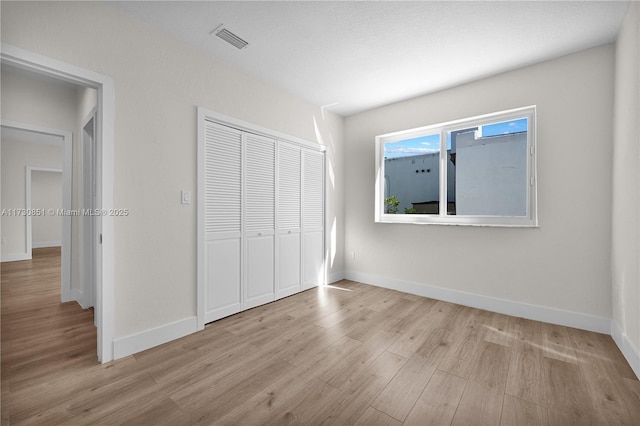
352	56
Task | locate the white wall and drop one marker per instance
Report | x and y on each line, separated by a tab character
46	194
158	84
563	264
16	157
45	102
625	257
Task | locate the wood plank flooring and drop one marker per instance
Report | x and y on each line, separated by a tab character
340	355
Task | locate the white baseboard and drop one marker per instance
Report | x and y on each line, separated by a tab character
630	352
78	296
15	257
156	336
502	306
147	339
74	295
45	244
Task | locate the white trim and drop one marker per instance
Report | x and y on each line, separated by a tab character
76	295
105	139
65	257
630	352
88	275
501	306
46	244
200	225
21	135
248	127
28	177
15	257
153	337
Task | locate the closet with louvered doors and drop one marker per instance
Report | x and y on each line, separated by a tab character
261	223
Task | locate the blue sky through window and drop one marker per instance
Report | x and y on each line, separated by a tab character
409	147
506	127
431	143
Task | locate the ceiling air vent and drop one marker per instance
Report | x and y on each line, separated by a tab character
229	37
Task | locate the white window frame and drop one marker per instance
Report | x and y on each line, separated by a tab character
529	220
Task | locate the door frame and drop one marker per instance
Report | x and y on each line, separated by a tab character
105	115
89	235
66	222
65	257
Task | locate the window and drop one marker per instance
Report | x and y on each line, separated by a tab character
474	171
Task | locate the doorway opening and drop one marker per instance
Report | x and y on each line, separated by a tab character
102	172
24	145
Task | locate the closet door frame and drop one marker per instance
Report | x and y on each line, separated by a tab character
204	115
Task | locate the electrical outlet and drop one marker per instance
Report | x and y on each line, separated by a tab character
353	255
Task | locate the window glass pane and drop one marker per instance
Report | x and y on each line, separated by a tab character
489	179
488	169
411	175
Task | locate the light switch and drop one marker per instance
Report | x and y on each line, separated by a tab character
185	197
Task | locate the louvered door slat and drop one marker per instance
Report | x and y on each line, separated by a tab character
259	183
223	178
289	187
313	203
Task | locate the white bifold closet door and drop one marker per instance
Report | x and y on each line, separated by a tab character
263	226
223	221
260	218
289	275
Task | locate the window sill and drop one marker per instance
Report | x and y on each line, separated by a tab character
491	221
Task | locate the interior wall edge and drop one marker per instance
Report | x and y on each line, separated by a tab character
334	277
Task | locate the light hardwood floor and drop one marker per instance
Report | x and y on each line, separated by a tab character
345	354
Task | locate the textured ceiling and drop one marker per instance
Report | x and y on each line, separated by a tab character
353	56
